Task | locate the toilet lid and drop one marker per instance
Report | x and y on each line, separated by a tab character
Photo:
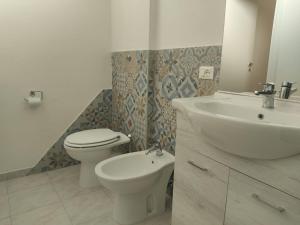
92	137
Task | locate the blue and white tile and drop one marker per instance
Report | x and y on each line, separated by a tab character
189	61
130	87
98	114
187	88
169	87
141	83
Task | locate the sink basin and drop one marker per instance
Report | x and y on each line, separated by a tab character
239	125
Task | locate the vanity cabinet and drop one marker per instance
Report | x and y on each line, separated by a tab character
200	189
216	188
209	193
250	202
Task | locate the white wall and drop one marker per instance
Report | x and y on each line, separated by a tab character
61	47
285	47
186	23
163	24
130	24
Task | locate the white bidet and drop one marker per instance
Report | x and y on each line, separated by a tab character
139	182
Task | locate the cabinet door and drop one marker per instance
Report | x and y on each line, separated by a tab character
200	189
250	202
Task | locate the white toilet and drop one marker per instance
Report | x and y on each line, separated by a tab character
139	182
91	147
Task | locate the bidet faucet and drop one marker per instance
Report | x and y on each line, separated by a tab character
156	148
268	94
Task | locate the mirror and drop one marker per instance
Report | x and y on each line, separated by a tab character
284	61
260	44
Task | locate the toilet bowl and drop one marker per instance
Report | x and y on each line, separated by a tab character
91	147
139	182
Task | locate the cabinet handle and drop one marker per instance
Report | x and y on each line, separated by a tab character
278	208
198	167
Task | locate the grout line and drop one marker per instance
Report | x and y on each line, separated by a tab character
69	217
10	220
6	187
7	218
77	195
227	193
48	182
9	204
109	196
26	211
29	210
60	199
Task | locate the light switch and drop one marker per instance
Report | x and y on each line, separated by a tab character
206	72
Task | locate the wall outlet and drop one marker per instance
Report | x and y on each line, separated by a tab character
206	72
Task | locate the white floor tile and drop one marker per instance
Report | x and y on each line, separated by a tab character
64	173
3	188
69	187
87	207
4	207
106	219
109	193
5	222
22	183
32	198
164	219
53	214
35	200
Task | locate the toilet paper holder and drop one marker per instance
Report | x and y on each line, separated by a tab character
35	94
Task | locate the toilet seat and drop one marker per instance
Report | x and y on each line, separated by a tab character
91	147
92	138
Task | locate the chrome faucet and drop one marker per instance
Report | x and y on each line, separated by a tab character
286	90
156	148
268	94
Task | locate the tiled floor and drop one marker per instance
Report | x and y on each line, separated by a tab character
55	198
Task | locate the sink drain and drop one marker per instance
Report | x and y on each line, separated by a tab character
260	116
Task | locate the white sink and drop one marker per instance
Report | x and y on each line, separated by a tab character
239	125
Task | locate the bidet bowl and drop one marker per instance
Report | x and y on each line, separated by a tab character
130	173
139	182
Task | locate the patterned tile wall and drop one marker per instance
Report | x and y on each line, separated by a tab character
96	115
173	74
165	74
130	95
